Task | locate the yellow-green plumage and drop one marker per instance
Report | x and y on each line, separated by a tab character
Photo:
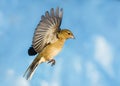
53	43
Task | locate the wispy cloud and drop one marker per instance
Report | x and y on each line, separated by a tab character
77	65
93	75
55	80
44	83
10	73
104	54
21	82
14	80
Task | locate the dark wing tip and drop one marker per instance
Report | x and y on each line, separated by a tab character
42	17
57	12
52	12
61	9
31	51
61	13
47	14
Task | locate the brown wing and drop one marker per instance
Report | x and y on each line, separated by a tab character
47	29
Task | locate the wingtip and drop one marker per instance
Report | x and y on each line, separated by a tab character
52	9
57	7
31	51
61	9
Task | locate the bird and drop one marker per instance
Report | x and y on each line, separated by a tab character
48	40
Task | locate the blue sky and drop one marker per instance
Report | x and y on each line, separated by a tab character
92	59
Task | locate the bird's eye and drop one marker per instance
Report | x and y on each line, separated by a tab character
68	33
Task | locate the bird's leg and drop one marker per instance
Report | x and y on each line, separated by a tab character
52	61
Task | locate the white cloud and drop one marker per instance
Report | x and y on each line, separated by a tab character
10	72
93	75
55	83
4	20
44	83
104	54
21	82
49	83
9	75
55	80
14	80
7	21
77	65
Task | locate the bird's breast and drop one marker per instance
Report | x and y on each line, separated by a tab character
52	50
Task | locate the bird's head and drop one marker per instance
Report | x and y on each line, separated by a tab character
66	34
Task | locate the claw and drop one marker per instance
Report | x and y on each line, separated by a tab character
52	61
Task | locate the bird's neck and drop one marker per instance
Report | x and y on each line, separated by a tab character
62	41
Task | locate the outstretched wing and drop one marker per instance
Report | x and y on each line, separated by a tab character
47	29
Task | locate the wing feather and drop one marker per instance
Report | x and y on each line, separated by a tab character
47	29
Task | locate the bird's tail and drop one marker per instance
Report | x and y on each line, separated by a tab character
31	69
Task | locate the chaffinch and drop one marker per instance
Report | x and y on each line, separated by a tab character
48	40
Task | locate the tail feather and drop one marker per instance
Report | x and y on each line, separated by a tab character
31	69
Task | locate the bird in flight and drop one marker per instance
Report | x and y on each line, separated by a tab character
48	40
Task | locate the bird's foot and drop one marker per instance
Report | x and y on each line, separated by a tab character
52	61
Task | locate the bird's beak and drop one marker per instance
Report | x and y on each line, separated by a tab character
73	37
